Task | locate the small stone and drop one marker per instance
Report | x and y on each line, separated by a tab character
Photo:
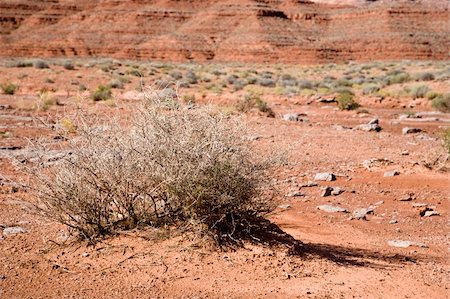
407	130
331	209
326	100
391	173
393	221
405	153
310	184
405	244
284	207
336	191
295	194
374	121
379	203
368	128
13	230
325	176
291	117
360	214
326	191
254	138
431	213
406	198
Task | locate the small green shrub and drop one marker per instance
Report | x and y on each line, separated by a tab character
418	91
346	102
442	103
9	88
116	83
40	64
432	95
102	93
370	89
68	65
397	77
424	77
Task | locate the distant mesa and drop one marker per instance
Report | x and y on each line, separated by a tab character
290	31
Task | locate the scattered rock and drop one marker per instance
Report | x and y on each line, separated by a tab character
13	230
331	209
419	205
408	130
405	244
291	117
295	194
336	191
326	100
325	176
372	125
254	138
368	128
407	197
360	214
310	184
284	207
391	173
431	213
374	121
376	162
393	221
405	153
326	191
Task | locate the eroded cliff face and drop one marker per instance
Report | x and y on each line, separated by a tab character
297	31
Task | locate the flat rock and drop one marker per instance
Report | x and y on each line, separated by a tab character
360	214
325	176
310	184
368	127
295	194
391	173
408	130
13	230
326	100
284	207
291	117
431	213
331	209
405	244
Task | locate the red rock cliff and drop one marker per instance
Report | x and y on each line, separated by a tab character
247	30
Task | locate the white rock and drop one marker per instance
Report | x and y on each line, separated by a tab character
405	244
325	176
13	230
331	209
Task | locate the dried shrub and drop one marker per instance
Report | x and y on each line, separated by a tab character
170	165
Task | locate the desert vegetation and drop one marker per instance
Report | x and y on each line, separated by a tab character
169	166
115	166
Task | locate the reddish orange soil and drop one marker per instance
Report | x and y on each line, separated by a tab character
298	31
337	257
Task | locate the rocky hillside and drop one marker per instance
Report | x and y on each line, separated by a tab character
231	30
